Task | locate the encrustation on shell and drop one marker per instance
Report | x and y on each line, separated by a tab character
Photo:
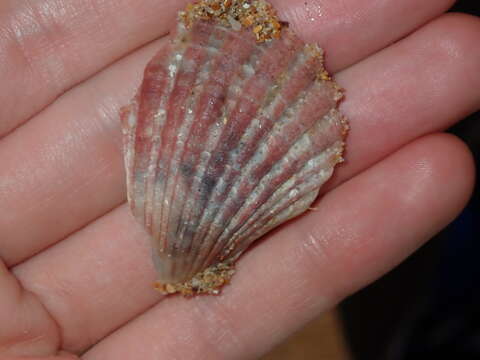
233	131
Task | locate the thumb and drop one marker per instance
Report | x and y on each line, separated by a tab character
26	328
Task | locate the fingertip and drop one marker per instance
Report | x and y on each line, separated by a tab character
453	161
455	36
394	207
465	25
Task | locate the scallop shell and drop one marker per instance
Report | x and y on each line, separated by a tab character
233	131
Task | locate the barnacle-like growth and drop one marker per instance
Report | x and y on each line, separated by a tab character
258	15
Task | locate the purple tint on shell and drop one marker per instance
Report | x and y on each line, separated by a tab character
231	134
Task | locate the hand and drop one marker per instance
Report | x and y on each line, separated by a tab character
77	275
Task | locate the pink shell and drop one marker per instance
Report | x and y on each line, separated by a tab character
226	139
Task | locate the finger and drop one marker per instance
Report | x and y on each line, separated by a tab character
26	329
50	45
362	229
415	87
61	171
352	30
396	100
96	280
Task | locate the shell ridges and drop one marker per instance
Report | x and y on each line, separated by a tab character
227	138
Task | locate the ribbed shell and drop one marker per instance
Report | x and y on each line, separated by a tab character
226	139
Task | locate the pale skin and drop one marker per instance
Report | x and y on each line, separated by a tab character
76	277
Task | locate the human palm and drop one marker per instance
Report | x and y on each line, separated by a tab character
76	275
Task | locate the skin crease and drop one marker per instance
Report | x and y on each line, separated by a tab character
61	180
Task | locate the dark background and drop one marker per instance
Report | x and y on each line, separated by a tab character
429	307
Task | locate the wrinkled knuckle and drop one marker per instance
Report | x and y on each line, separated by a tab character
32	34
